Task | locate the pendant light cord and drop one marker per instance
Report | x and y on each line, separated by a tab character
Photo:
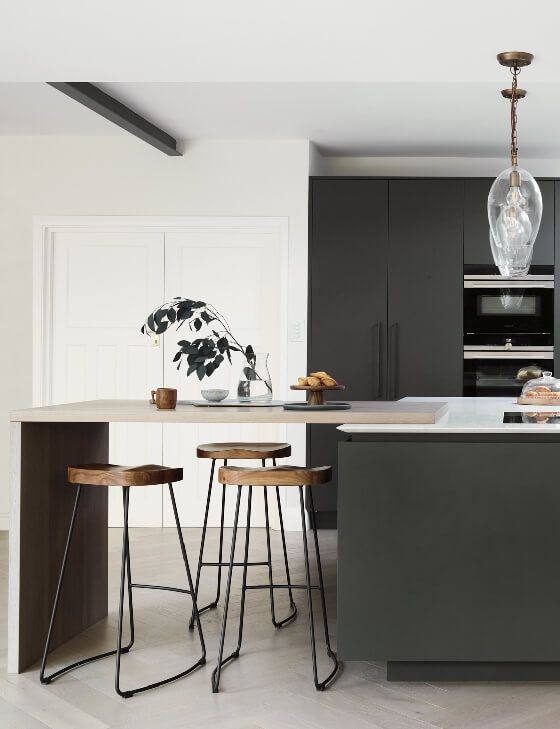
513	115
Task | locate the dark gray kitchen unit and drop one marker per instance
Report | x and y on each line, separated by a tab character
557	278
477	247
385	295
448	555
348	257
425	295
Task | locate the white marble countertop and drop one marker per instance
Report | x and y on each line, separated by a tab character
468	415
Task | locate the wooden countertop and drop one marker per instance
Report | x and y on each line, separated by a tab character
142	411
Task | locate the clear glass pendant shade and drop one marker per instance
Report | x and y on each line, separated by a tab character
514	214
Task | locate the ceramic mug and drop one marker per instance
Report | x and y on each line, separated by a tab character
165	398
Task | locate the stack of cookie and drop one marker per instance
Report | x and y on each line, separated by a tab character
317	379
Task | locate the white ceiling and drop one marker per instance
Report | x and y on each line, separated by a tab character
358	77
422	119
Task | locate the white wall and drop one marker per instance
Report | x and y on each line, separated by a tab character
46	176
433	166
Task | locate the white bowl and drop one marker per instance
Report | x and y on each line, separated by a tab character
214	395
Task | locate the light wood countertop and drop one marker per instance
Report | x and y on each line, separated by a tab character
142	411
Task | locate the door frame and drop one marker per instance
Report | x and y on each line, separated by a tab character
44	229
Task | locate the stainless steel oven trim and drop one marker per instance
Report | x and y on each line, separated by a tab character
507	354
497	277
516	283
502	348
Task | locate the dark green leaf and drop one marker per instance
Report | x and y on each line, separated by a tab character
197	324
201	371
151	323
205	316
177	357
171	315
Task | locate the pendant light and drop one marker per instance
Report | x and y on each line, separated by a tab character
515	201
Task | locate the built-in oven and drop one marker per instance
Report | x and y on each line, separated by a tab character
496	372
508	332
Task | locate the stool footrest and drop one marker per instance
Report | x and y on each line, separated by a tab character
280	587
235	564
160	587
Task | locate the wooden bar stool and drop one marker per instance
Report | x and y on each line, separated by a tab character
101	474
283	476
243	451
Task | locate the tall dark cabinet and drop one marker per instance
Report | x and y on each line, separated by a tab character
386	267
348	251
425	342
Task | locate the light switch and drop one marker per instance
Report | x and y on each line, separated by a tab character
295	331
155	340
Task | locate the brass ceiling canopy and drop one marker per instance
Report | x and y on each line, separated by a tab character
508	93
515	59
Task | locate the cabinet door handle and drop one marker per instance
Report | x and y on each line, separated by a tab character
394	359
376	336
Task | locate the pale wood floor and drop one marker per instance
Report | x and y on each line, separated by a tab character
269	687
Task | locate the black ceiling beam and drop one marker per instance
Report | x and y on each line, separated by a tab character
106	106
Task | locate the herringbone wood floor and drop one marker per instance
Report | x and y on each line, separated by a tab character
269	687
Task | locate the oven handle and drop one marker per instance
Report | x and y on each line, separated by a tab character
509	354
509	285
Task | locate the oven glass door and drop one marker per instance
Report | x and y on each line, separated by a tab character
509	310
486	377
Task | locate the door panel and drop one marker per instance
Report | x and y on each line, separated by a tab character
104	284
425	288
348	300
238	271
477	246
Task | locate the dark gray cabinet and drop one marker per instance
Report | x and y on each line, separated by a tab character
425	290
477	247
386	267
348	248
557	278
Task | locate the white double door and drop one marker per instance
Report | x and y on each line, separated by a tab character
104	284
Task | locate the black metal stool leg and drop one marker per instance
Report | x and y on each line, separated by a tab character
192	591
47	679
292	615
125	567
43	678
320	573
214	602
320	686
217	671
125	560
235	654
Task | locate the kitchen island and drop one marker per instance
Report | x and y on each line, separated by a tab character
449	545
44	442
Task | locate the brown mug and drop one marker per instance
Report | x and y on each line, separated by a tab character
165	398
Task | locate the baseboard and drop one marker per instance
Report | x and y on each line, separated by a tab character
461	671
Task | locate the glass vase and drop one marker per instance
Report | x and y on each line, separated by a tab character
254	381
